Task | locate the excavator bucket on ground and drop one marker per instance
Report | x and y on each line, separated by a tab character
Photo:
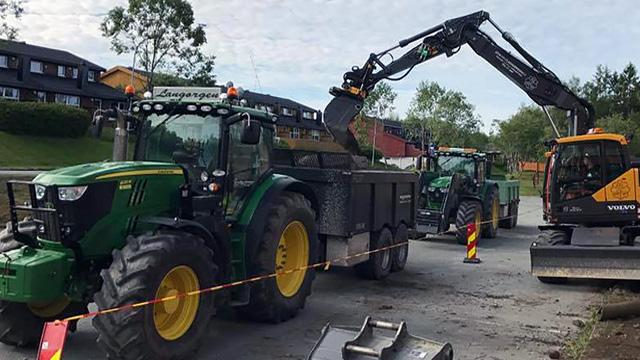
338	343
594	262
337	115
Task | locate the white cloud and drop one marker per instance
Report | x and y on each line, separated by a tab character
301	48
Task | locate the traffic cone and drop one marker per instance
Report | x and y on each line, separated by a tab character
472	242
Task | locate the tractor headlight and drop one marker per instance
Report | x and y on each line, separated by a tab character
40	192
431	189
71	193
444	190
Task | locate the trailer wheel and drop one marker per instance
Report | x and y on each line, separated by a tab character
553	238
152	266
491	213
469	212
399	254
379	264
21	324
512	216
289	241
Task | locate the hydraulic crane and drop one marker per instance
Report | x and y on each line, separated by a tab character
591	191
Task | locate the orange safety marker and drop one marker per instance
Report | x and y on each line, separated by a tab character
472	243
54	334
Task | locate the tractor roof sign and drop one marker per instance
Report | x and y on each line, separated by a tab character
163	93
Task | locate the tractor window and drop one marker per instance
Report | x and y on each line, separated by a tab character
246	164
579	169
456	165
614	160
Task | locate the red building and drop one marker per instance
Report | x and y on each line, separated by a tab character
389	139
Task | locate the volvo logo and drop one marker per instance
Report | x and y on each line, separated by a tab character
628	207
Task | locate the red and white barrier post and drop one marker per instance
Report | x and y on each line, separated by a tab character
472	243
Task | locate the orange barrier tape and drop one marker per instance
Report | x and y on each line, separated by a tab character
324	264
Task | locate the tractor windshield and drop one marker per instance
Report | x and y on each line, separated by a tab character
456	165
190	139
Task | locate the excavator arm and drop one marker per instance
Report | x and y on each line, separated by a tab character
538	82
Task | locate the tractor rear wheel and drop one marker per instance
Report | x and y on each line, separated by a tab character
469	212
289	242
379	264
553	238
21	324
491	213
153	266
400	254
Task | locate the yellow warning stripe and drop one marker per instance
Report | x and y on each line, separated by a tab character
324	264
471	253
57	355
141	173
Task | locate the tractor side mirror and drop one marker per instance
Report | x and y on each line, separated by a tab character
251	132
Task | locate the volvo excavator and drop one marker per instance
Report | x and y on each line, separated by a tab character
590	190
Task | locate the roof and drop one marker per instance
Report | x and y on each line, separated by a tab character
255	98
45	54
139	74
594	137
58	85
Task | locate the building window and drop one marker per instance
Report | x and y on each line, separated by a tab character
315	135
4	61
36	67
9	93
96	103
40	96
294	133
309	115
74	73
62	71
68	100
288	112
122	106
270	108
91	76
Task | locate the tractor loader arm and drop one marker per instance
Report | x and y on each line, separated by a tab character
540	83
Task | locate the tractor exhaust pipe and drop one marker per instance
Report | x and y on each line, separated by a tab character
120	138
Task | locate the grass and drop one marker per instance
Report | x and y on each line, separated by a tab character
21	194
575	348
38	152
526	183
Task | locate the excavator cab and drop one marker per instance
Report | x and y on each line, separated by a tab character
591	205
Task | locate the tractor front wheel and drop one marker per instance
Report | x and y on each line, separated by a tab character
289	243
469	212
154	266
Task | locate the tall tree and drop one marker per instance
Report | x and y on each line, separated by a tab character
445	115
162	33
9	9
521	137
378	105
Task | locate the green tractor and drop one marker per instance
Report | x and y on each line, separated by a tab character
207	200
197	207
457	187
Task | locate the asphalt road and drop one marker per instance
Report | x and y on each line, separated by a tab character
493	310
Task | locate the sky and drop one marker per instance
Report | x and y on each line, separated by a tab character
299	49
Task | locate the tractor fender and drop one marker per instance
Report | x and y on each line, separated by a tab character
470	197
210	230
258	220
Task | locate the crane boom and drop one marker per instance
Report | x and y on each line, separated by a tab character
530	75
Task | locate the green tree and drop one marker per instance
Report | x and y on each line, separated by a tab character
377	105
445	115
10	9
162	33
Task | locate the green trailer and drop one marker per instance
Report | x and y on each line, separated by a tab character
458	187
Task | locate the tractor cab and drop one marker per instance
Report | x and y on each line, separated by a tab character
593	180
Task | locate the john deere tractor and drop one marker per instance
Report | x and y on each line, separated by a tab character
198	206
457	187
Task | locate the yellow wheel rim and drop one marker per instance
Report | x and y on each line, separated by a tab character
292	253
51	309
495	213
174	317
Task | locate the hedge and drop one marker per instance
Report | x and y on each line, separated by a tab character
45	119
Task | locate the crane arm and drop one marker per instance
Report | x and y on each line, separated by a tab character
538	82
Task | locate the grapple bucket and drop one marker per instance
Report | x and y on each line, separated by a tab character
338	115
337	343
595	262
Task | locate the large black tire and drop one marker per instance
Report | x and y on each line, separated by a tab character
468	212
400	254
512	216
491	212
553	238
135	275
379	264
268	302
19	326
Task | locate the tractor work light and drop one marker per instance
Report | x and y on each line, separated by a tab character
146	107
158	107
192	107
223	111
206	108
71	193
136	109
40	192
232	93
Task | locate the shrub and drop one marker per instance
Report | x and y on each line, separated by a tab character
45	119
